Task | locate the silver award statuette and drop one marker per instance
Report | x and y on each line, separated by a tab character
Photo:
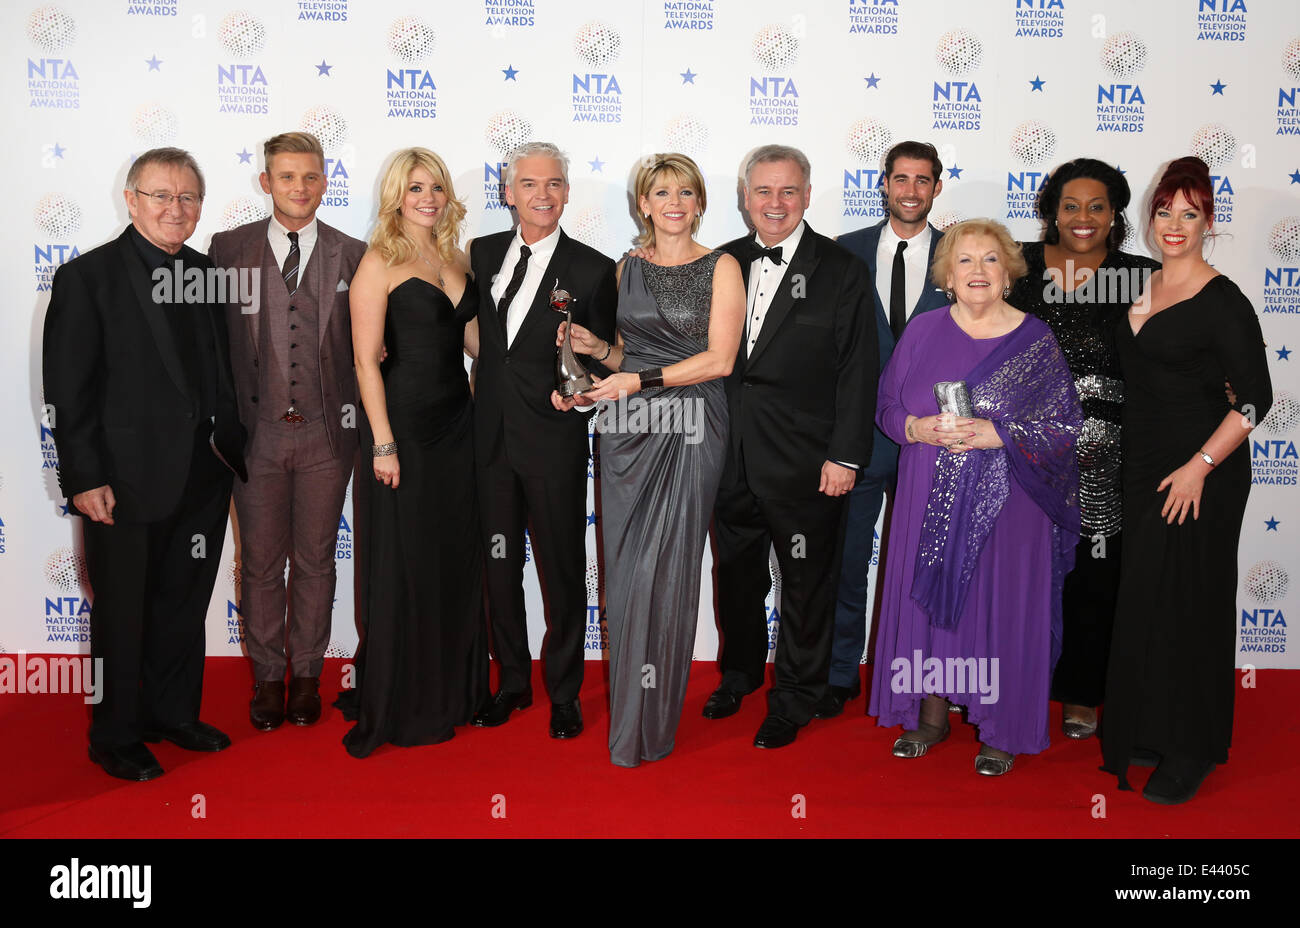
953	398
571	378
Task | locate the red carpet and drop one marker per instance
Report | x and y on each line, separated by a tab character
300	782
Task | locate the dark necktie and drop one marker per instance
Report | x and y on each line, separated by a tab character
516	281
757	251
898	294
290	271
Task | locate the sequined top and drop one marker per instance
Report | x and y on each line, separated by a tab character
684	294
1083	321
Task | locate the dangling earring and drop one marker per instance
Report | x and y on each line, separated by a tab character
1006	291
948	293
645	215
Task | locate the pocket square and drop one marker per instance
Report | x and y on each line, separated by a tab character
343	285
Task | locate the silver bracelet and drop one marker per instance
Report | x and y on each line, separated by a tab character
1205	456
609	346
383	451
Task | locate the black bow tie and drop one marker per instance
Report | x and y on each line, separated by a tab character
757	251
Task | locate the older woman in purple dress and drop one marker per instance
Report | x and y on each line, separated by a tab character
986	515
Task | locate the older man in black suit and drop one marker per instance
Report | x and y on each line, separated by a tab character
137	374
801	398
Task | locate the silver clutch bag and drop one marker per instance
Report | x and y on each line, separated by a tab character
953	397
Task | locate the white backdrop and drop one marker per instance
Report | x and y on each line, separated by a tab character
1005	88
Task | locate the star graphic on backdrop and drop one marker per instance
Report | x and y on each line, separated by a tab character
153	63
872	81
1037	83
245	156
591	518
1217	87
1295	176
1283	353
1271	524
688	76
63	510
510	71
597	165
1120	169
954	172
323	69
58	150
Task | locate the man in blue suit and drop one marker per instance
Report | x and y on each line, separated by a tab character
898	252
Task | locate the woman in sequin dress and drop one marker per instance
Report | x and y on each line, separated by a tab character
1079	283
663	430
985	516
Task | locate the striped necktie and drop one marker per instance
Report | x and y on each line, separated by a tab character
290	271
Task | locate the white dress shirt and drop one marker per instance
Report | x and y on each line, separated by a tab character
539	258
278	236
916	261
765	276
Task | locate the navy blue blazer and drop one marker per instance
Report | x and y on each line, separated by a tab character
863	243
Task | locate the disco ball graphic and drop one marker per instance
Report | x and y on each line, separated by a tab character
1283	416
1214	144
327	125
868	140
507	130
593	581
242	210
242	34
51	29
337	649
1033	141
234	572
943	221
1284	238
66	570
411	39
686	134
774	571
589	228
959	51
775	47
597	44
57	215
155	124
1124	53
1290	58
1130	242
1267	581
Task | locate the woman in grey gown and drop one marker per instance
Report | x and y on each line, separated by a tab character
663	428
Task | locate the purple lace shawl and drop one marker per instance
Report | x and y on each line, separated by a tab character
1025	388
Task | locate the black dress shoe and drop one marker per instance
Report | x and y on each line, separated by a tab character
129	762
832	704
192	736
496	711
303	706
266	711
1175	783
566	720
722	703
775	732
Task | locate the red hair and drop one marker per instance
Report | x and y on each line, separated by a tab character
1189	176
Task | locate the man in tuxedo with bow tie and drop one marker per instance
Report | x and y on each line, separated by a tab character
801	399
532	458
898	251
138	384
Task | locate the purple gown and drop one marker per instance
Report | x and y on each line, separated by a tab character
1007	614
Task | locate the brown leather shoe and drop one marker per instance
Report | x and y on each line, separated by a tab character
304	700
266	711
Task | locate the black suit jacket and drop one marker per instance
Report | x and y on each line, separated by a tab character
125	410
806	393
512	392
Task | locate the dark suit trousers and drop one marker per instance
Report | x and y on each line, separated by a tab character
851	608
554	507
151	594
289	510
806	535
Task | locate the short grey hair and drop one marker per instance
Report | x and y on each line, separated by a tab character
177	157
768	153
536	150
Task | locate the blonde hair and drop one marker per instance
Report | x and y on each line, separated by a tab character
668	165
390	238
292	143
1013	258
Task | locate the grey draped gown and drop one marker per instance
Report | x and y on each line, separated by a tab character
661	455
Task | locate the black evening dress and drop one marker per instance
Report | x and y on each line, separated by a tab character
423	663
1171	679
1083	321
